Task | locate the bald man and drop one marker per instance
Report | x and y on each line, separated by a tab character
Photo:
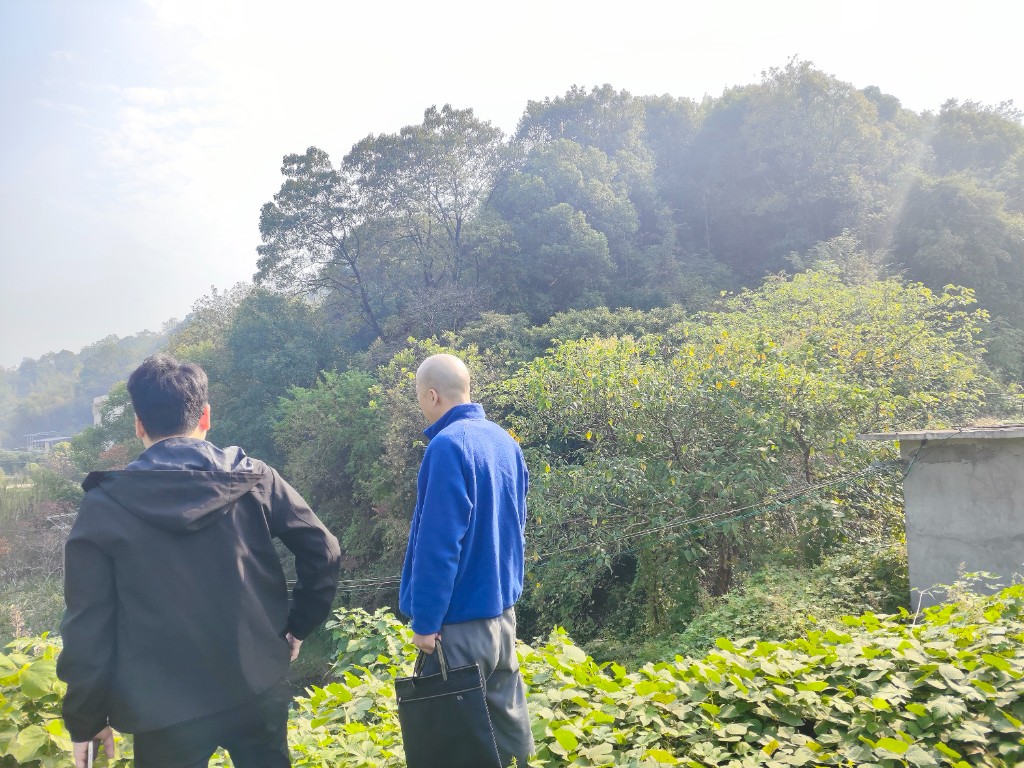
463	569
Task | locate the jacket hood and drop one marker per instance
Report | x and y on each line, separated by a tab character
180	484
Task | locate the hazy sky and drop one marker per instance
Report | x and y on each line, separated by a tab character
141	137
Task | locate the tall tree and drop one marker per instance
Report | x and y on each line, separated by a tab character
977	139
424	187
952	230
781	165
604	118
315	241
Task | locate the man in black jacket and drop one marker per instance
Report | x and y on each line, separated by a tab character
178	627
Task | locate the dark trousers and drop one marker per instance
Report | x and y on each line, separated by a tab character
254	734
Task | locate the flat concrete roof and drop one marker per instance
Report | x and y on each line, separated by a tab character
997	432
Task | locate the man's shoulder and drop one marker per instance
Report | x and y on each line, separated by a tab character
473	435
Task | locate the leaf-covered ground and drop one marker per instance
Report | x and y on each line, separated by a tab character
946	689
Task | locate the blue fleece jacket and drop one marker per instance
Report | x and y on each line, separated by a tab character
465	554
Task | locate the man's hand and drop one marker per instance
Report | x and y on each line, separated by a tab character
81	748
425	643
295	644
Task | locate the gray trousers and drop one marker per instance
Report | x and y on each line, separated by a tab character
491	643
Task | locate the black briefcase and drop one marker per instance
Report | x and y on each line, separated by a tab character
444	717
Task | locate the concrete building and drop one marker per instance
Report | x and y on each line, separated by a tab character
964	502
42	442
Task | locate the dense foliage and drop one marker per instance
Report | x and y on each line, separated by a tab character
942	689
670	454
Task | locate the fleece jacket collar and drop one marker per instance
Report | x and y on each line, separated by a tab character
453	414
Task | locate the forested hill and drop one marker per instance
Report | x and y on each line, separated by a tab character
55	392
601	198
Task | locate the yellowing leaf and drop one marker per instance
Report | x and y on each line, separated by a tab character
663	757
892	745
566	738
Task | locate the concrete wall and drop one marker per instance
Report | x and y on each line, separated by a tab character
964	504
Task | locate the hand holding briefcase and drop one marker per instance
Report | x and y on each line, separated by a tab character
444	717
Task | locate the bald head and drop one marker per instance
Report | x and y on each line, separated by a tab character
442	381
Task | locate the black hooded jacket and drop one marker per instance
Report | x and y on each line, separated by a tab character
177	605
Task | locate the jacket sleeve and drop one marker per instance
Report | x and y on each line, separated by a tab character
89	633
444	518
317	556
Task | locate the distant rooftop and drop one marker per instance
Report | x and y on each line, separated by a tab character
990	432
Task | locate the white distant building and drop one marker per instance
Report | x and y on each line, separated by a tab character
97	403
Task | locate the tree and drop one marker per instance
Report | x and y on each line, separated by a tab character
330	437
976	139
315	240
952	230
781	165
650	454
603	118
570	217
423	187
275	342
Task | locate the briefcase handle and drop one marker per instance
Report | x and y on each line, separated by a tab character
421	659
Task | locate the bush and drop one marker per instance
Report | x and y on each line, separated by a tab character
30	607
779	602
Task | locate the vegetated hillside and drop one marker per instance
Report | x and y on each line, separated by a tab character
55	392
604	198
942	689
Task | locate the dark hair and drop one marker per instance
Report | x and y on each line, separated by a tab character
168	395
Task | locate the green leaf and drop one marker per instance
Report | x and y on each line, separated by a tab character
971	731
814	685
951	673
29	744
984	686
997	661
947	706
915	755
947	751
38	679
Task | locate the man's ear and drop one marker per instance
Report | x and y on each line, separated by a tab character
140	431
204	420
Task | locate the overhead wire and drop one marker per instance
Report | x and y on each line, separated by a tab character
693	526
